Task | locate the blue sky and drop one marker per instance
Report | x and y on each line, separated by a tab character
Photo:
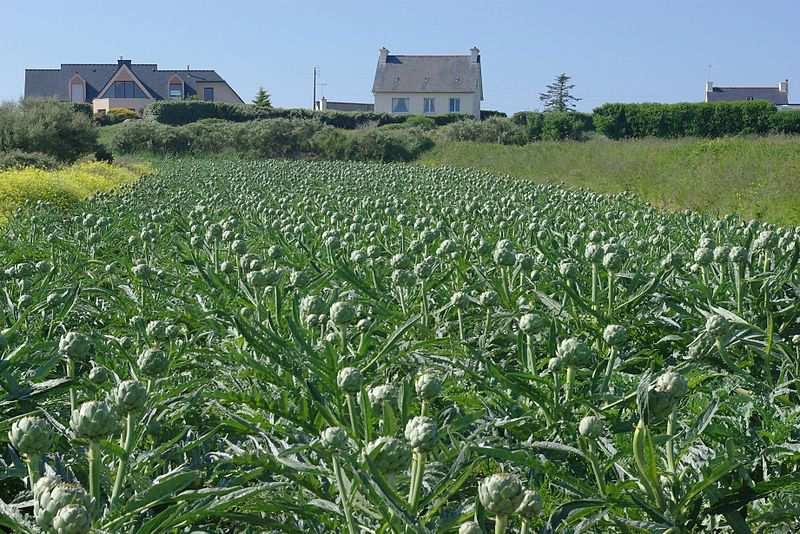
623	51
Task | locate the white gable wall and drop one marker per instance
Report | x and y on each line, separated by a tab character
470	102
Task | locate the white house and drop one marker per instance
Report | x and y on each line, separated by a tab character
428	85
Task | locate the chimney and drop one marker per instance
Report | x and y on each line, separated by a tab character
476	54
323	104
783	86
384	53
709	87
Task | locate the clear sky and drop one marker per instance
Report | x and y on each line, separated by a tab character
623	51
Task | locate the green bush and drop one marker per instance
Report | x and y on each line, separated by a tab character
708	119
47	127
270	138
490	113
554	125
785	122
17	159
115	116
180	112
420	121
495	130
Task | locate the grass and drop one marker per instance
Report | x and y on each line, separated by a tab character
65	186
755	177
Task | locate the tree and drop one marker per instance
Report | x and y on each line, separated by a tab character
262	99
558	96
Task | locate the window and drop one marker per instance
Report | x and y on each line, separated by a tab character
208	94
400	105
76	92
455	105
429	106
124	90
749	98
176	90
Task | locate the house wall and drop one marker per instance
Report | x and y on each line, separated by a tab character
136	104
470	102
222	92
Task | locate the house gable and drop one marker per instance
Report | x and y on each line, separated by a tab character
124	74
428	74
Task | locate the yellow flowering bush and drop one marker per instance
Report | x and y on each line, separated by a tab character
63	186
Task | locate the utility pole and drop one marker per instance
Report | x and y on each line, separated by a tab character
314	101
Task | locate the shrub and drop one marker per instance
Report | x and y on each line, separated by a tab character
490	113
420	121
180	112
565	125
47	126
785	122
278	138
370	145
495	130
17	159
711	119
115	116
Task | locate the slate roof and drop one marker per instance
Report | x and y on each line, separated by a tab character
347	106
428	74
54	83
771	94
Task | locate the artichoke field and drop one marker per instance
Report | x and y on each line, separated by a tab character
289	346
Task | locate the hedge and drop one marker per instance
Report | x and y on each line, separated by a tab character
785	122
495	130
269	138
708	119
554	125
180	112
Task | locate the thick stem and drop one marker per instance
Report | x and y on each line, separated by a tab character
351	528
122	468
610	294
594	286
529	352
94	471
351	411
460	324
500	523
524	529
32	462
73	402
612	359
670	437
570	379
598	475
418	470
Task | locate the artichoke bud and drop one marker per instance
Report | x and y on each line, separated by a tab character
421	433
470	527
531	505
153	362
591	426
129	396
99	375
75	346
31	435
93	420
54	495
389	454
343	313
428	386
350	380
334	438
72	519
573	352
717	326
500	494
615	335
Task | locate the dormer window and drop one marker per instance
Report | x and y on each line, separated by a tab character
175	90
77	89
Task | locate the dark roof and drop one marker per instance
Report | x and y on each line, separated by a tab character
53	83
770	94
428	74
347	106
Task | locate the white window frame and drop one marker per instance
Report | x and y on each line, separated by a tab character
396	102
457	107
429	105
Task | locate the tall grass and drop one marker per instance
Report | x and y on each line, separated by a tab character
755	177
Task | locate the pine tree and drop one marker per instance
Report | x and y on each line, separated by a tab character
558	96
262	99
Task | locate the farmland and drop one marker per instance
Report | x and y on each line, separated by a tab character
326	346
753	177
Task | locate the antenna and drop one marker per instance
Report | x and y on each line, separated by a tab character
314	101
